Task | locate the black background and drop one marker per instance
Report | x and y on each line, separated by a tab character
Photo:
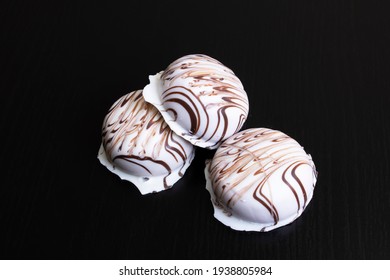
316	70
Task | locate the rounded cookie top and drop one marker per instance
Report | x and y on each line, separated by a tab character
201	99
137	142
260	179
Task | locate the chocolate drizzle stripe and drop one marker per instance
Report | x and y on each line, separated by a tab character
179	150
263	200
294	175
290	186
128	159
195	117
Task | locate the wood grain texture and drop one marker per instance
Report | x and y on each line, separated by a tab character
316	70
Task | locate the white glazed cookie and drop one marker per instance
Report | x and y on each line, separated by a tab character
201	99
260	179
139	146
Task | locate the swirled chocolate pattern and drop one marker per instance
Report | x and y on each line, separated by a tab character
260	179
201	99
139	146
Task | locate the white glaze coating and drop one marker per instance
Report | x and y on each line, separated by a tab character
260	179
139	146
201	99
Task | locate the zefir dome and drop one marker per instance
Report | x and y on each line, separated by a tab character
138	146
201	99
260	179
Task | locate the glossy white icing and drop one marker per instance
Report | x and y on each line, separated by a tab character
139	146
201	99
260	179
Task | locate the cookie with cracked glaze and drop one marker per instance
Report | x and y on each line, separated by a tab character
201	99
259	180
138	146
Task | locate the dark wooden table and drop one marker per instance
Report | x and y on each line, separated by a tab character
316	70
